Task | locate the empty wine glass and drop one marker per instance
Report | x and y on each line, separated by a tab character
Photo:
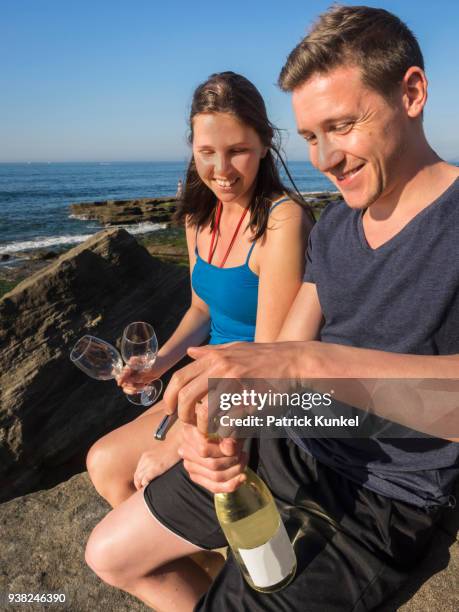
139	348
97	358
100	360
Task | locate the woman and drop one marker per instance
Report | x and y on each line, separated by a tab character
246	243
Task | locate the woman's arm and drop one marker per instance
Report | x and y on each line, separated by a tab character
192	330
304	318
194	327
281	268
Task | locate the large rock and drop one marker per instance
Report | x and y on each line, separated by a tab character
43	537
117	212
50	412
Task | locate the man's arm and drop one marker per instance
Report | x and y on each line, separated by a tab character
297	355
314	360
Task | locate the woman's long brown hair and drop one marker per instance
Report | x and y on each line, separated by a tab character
228	92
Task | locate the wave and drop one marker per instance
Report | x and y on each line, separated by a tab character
44	242
143	228
79	217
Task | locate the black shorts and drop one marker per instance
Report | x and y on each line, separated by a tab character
354	547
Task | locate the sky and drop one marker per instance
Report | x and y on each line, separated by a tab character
107	80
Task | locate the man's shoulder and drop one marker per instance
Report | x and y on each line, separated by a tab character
452	192
333	215
336	206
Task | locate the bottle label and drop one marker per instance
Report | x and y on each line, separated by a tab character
270	563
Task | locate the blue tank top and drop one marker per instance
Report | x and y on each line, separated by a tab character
231	295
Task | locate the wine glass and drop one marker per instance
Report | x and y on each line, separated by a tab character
101	361
139	348
97	358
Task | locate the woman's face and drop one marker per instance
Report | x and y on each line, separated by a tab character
227	155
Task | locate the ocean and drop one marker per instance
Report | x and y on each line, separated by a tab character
35	197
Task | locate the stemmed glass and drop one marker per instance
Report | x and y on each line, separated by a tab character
100	360
97	358
139	348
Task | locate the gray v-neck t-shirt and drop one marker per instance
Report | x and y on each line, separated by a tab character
402	297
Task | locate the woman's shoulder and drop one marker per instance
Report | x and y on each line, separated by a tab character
284	208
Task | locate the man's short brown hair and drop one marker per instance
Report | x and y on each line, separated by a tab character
376	41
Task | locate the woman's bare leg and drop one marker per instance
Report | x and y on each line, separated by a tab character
131	550
112	460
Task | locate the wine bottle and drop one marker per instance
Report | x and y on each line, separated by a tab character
257	536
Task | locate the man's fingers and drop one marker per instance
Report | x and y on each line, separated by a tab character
229	446
219	476
199	351
217	463
186	387
203	450
202	416
217	487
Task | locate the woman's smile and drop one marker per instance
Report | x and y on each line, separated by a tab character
225	184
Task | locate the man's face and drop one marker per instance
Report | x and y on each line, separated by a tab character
355	137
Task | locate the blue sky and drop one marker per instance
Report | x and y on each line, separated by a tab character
112	80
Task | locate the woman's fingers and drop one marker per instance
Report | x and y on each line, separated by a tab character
137	481
141	470
130	387
134	378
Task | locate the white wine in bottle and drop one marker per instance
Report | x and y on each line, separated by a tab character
257	536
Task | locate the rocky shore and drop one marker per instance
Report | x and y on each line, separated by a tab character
160	210
168	243
126	212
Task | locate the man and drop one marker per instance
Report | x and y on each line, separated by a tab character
372	306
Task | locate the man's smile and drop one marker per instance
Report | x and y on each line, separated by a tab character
344	178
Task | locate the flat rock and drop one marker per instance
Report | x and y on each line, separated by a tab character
122	212
43	537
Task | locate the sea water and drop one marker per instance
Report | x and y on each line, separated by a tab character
35	198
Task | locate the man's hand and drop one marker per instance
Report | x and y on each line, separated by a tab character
240	360
217	465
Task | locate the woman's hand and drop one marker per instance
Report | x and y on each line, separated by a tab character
153	463
134	381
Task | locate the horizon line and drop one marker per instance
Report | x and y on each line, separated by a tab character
141	161
117	161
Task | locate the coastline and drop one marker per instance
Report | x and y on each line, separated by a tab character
167	242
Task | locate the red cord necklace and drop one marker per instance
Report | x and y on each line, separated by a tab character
214	234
